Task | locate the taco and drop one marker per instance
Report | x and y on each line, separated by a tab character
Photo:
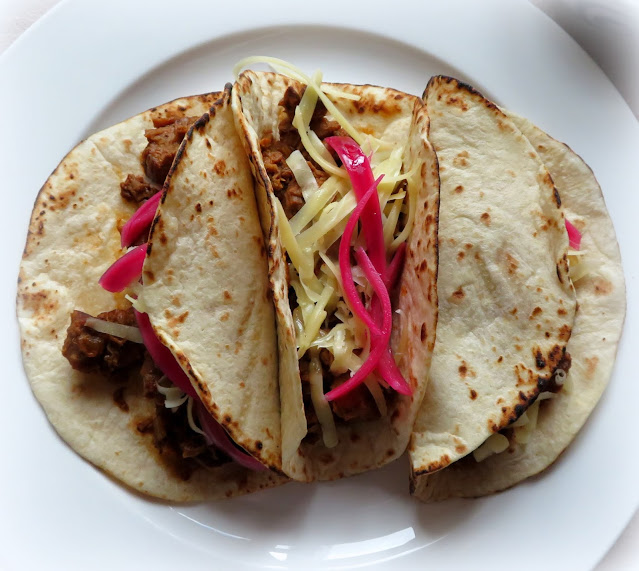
204	303
508	301
350	382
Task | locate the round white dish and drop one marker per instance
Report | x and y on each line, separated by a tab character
88	65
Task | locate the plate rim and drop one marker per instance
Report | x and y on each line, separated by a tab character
66	8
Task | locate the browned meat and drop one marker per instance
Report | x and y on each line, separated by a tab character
357	405
137	189
275	153
120	400
324	128
289	102
164	142
150	376
177	444
89	350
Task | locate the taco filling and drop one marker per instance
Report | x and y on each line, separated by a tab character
343	171
333	341
145	362
111	343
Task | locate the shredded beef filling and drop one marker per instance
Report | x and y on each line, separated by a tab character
275	153
164	142
89	351
359	405
137	189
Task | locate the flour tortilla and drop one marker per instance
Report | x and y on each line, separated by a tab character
506	302
206	284
73	238
396	118
593	344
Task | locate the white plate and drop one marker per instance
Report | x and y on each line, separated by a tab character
89	64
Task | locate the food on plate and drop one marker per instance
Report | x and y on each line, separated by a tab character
147	381
238	288
519	363
325	157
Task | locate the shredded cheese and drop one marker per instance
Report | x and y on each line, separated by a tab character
320	404
302	173
189	416
378	396
314	205
128	332
495	444
309	235
314	322
524	432
173	396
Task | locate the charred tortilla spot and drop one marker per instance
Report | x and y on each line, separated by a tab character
535	312
485	218
458	295
602	286
436	465
557	198
591	366
512	264
473	394
461	160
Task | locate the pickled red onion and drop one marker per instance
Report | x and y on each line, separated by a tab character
221	440
394	269
167	363
350	292
574	236
124	270
162	357
381	341
359	170
361	175
140	221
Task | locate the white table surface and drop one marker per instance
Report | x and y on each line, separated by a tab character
608	30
